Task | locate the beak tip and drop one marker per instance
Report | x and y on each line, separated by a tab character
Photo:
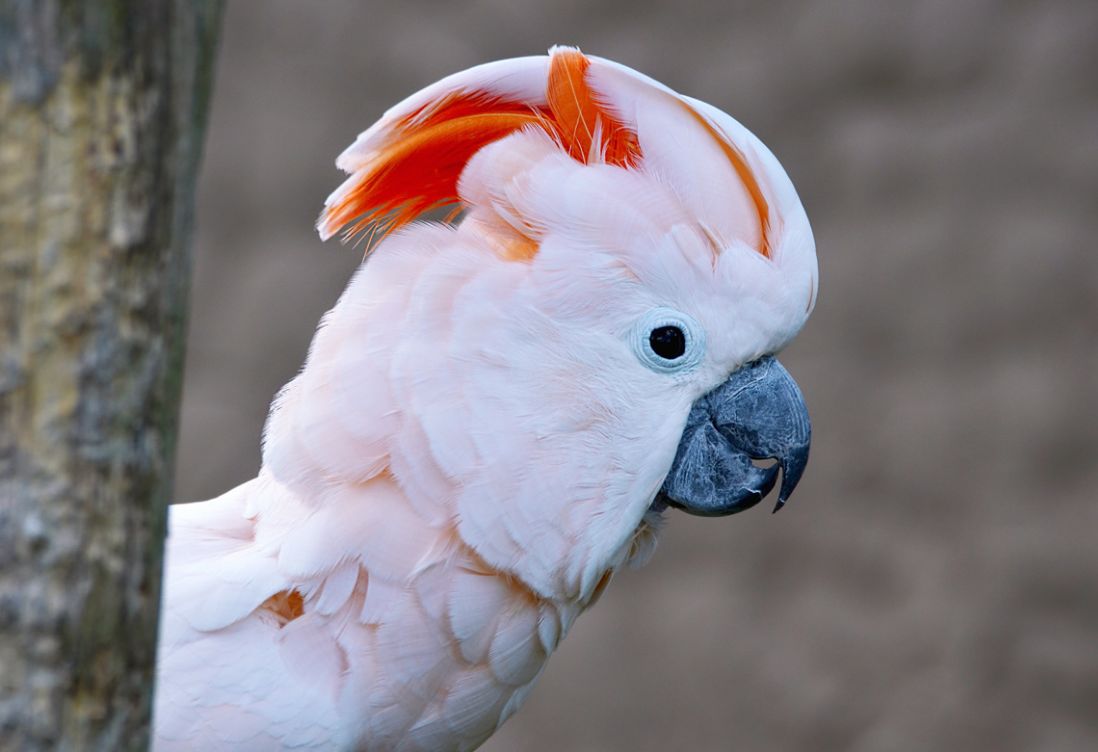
792	470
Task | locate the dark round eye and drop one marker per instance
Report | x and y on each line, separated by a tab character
668	342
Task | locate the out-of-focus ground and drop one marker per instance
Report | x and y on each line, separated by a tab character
934	583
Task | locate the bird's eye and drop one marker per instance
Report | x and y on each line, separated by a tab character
668	341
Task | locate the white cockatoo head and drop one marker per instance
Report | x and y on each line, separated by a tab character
593	340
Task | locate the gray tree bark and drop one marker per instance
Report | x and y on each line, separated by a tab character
102	112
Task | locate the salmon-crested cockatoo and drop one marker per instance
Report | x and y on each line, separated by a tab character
496	414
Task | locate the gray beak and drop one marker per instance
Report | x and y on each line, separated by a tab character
758	414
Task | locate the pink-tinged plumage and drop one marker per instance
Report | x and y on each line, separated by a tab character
472	448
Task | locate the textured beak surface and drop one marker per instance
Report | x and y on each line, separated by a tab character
757	414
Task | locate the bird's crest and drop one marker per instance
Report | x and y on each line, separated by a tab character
408	164
411	160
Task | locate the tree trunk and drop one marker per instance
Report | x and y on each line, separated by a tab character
102	112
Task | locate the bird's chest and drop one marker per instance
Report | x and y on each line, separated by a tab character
450	662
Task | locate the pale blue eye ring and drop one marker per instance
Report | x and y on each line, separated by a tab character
659	321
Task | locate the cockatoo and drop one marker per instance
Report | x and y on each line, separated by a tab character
497	412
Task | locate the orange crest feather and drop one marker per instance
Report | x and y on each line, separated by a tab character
747	177
579	116
418	169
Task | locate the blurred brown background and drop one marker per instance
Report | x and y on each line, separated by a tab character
934	585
